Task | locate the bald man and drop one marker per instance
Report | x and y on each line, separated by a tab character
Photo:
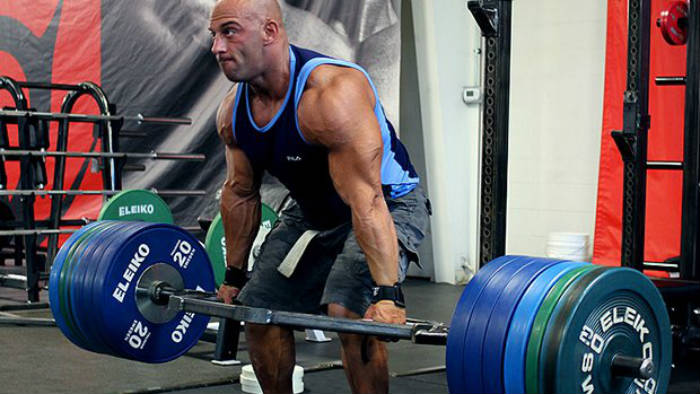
316	124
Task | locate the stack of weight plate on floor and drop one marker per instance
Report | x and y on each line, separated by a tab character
533	325
93	281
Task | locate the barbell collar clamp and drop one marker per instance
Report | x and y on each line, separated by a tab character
633	367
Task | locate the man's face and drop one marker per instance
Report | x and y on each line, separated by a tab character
237	40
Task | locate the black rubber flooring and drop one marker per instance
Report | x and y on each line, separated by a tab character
41	360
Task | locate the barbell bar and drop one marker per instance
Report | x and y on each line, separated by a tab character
145	291
89	118
130	205
51	231
123	155
161	192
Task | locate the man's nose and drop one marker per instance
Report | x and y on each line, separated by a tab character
217	45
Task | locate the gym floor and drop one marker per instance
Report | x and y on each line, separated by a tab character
42	360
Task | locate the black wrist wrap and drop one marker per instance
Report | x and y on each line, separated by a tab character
235	277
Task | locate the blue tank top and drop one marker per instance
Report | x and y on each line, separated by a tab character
280	148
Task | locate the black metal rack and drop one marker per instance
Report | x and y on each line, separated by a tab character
632	144
35	264
690	236
494	19
632	140
33	127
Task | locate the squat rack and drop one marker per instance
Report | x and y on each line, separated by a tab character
494	20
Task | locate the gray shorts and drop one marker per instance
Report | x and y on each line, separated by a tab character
333	268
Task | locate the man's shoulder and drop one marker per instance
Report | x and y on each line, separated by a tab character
333	98
330	80
224	113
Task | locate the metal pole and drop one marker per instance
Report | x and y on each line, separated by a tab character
632	140
197	302
494	18
87	118
288	319
163	192
123	155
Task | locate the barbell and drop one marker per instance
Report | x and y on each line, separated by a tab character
88	118
144	291
117	155
124	205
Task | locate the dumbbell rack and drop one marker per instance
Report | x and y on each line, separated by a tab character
33	133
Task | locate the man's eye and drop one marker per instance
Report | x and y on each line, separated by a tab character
228	32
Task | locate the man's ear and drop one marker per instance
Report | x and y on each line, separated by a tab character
271	30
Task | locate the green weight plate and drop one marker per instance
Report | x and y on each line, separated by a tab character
616	311
136	205
215	241
215	244
532	357
65	282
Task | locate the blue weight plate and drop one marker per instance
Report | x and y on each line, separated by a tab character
67	284
54	287
94	257
82	279
608	312
474	338
521	324
454	359
63	278
129	332
107	247
494	338
64	284
74	285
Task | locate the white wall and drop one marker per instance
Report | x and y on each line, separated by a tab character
557	83
556	103
446	41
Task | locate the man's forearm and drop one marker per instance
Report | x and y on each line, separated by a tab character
240	214
376	235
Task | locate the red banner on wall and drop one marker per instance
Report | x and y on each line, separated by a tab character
666	107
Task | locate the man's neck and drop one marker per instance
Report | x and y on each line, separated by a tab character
273	84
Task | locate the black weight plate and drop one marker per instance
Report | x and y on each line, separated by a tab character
615	311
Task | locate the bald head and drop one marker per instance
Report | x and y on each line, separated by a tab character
262	10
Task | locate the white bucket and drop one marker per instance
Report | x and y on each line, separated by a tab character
568	246
250	384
